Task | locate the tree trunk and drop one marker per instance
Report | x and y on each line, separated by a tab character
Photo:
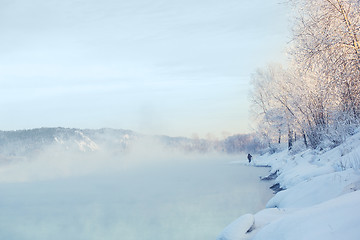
305	141
279	136
290	139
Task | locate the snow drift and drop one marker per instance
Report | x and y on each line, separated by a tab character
320	200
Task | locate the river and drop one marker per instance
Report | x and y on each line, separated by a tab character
172	200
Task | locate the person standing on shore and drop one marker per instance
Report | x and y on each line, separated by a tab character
249	157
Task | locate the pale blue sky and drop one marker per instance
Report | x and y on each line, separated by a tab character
164	67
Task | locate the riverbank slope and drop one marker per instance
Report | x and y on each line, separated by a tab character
320	199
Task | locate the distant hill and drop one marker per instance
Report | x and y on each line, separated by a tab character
25	143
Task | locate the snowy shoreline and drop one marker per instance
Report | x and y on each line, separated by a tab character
320	200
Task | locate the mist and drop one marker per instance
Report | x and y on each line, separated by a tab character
146	193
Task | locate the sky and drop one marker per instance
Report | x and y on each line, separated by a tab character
179	68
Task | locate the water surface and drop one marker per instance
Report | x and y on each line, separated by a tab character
190	199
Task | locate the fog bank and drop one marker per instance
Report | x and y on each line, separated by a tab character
142	195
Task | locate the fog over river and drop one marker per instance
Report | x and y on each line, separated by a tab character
165	198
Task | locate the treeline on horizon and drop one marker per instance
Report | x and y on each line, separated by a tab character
315	99
30	142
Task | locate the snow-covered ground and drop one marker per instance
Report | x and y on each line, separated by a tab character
321	200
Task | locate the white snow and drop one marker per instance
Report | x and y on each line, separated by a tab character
335	219
238	228
321	200
315	190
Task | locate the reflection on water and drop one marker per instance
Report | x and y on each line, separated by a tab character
193	199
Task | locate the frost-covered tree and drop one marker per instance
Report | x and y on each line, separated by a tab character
271	98
326	44
318	95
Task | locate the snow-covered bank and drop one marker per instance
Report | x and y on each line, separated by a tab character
321	200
